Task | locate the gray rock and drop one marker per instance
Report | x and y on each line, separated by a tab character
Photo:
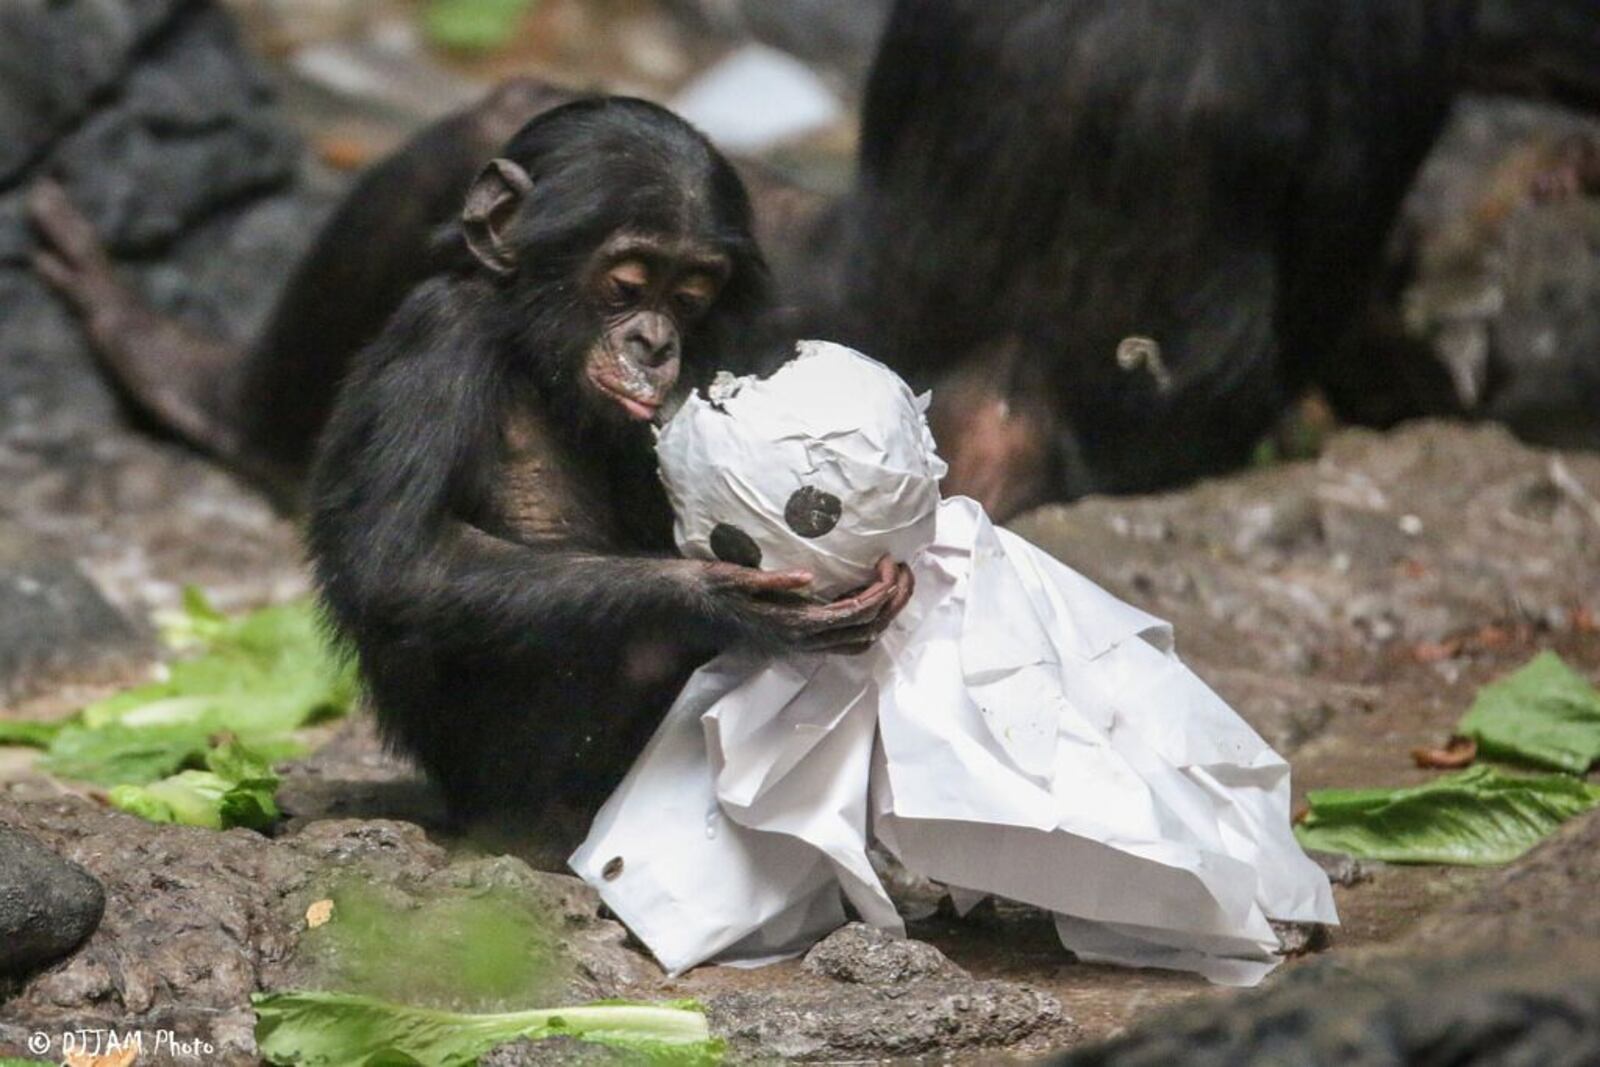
196	921
866	955
192	131
1472	1013
166	132
1501	282
554	1052
48	905
841	1022
54	622
55	59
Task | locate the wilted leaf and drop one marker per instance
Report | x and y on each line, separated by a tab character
1478	817
310	1029
237	790
1459	752
35	733
258	677
1545	714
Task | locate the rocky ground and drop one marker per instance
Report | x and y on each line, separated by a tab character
1348	606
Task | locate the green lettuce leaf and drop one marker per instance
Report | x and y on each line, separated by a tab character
259	678
311	1029
1479	817
35	733
473	25
1545	714
237	790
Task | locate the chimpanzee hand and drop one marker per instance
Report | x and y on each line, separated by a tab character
770	601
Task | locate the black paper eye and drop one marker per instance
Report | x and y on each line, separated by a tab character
732	545
811	513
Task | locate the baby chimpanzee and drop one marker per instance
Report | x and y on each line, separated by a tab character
486	521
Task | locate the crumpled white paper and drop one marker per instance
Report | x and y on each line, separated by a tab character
825	466
1017	731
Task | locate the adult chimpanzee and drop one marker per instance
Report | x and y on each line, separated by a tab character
1041	179
487	524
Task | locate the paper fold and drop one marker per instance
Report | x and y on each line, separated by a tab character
1018	731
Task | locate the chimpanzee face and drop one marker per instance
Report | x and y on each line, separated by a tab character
641	294
648	293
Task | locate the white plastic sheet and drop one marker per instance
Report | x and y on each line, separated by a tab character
1017	731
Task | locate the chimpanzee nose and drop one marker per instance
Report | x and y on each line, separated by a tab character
653	340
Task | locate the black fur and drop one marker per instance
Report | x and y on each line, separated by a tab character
508	662
1047	177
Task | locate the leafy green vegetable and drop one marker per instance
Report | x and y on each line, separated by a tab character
193	798
1478	817
236	790
1545	714
309	1029
36	733
258	677
473	25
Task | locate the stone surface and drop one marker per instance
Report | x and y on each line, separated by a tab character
47	904
1508	973
1499	277
801	1023
554	1052
1470	1013
55	623
1544	900
166	133
867	956
1298	591
196	921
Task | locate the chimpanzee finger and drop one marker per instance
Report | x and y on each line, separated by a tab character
753	580
905	583
856	610
760	581
851	641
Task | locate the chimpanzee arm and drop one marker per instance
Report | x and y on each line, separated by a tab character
406	464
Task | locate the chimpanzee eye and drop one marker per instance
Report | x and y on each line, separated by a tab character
622	292
689	305
627	281
694	294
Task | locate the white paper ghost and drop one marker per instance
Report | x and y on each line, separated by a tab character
825	466
1017	731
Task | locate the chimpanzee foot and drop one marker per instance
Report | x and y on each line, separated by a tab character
997	431
173	375
71	258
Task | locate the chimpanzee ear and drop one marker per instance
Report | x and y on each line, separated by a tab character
497	190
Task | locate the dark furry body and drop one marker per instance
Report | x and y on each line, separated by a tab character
495	547
1039	180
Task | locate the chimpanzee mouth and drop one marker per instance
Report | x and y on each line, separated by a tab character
643	410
